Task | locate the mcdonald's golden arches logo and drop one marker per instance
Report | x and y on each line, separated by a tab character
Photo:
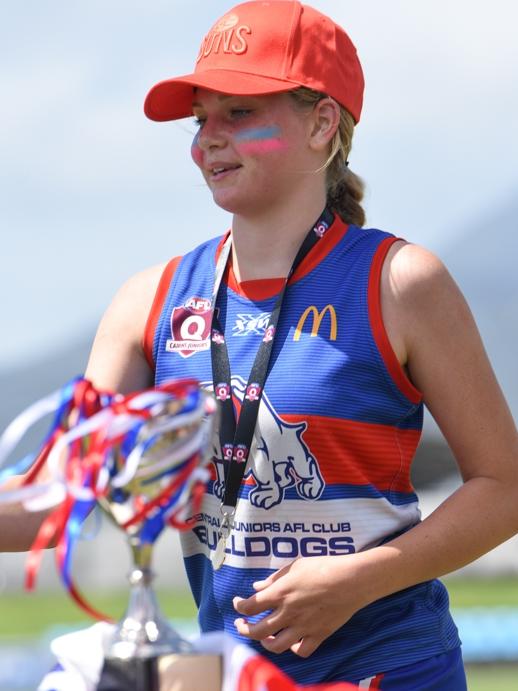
317	321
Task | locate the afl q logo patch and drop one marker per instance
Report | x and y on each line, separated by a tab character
253	392
240	453
190	327
222	391
321	229
269	334
217	337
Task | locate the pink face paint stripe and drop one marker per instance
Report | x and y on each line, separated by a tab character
261	147
196	152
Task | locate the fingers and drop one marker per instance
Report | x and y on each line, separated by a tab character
281	627
263	599
270	632
255	604
260	585
305	647
283	641
290	639
268	626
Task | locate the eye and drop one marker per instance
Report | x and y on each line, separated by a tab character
238	113
198	121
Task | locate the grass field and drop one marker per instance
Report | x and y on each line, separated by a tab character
492	678
28	615
491	592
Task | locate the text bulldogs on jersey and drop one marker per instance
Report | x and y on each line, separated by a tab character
280	546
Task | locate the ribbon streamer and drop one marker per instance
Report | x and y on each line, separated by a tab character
103	446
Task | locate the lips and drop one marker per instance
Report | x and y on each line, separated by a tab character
221	169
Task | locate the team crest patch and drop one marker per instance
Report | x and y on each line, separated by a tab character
190	327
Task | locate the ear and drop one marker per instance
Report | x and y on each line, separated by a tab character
325	122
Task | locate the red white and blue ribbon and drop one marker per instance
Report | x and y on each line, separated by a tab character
93	450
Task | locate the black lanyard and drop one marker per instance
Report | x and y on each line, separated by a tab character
236	438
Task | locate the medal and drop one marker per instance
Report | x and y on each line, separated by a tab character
218	556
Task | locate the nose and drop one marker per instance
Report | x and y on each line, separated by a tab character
211	135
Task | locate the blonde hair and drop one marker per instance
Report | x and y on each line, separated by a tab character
345	189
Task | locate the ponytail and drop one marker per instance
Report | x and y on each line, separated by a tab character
345	189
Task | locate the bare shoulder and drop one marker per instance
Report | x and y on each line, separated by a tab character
117	361
130	307
411	270
140	289
135	296
418	296
431	323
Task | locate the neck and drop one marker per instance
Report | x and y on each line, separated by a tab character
265	246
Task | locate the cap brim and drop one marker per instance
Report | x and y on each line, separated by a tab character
171	99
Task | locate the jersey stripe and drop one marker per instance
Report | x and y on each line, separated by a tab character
378	328
156	309
339	491
352	452
376	682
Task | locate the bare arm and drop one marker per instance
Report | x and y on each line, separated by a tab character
433	334
117	363
440	344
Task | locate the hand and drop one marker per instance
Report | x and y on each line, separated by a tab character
309	600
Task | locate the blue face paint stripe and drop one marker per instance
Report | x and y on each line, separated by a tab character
259	133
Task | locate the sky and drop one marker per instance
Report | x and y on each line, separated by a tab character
91	191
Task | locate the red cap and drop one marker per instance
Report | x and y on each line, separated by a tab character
266	48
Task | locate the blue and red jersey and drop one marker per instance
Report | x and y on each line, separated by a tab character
329	467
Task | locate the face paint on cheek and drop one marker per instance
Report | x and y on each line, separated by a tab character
260	140
196	152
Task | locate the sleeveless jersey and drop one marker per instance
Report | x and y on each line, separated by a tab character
329	467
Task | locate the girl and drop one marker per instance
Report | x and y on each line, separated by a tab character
322	341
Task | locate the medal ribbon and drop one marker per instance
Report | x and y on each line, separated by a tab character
236	437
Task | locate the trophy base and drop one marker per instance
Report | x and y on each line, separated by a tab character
164	673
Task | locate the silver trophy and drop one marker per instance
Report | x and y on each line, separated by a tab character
151	488
143	458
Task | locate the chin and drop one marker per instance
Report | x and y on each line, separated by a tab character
241	207
244	204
